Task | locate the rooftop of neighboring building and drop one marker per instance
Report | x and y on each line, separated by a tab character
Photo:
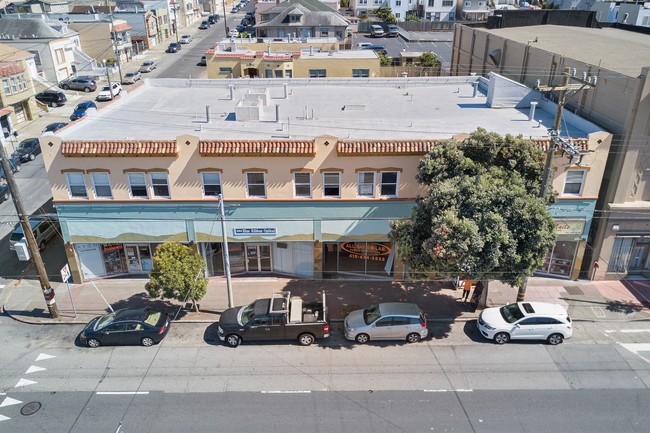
357	108
15	27
613	49
304	53
9	53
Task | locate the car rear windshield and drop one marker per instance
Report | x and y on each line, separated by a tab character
18	234
511	313
153	317
371	314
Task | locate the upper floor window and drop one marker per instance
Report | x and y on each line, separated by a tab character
430	3
138	185
211	183
574	182
397	15
366	184
302	184
363	2
317	73
255	185
7	87
448	3
60	56
468	4
332	184
76	185
398	3
225	70
159	184
360	73
101	185
388	187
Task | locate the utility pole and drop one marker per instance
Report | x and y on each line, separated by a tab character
114	41
108	78
225	24
557	141
48	292
226	254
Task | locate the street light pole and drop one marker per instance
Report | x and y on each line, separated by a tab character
226	255
225	24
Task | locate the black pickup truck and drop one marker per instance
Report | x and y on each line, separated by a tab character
281	317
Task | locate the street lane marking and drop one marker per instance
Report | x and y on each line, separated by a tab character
9	401
435	390
626	331
34	369
122	392
448	390
43	356
636	348
24	382
4	418
286	392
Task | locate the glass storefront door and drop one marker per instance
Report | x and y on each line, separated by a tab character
559	261
258	257
138	257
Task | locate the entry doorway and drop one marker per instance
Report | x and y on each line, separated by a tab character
258	257
139	257
251	72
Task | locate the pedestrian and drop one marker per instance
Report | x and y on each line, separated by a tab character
467	287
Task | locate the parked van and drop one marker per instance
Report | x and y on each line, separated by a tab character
44	227
376	31
393	31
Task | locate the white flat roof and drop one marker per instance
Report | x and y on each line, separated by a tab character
357	108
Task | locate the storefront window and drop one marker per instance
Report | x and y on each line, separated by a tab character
114	259
560	259
356	258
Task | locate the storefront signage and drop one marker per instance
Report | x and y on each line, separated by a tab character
569	227
82	248
112	247
255	231
366	250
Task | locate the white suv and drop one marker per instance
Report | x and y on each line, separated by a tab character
106	95
526	321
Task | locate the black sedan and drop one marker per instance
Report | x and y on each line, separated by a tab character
126	326
27	150
53	127
174	47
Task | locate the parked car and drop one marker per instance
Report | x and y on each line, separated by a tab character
148	66
364	45
377	48
53	127
212	19
393	31
233	33
239	28
204	25
174	47
131	77
386	321
14	163
234	10
377	31
27	150
81	109
526	321
203	61
185	39
126	326
105	94
4	192
52	98
245	22
45	228
80	83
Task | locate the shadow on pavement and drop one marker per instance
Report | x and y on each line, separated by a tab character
142	300
210	335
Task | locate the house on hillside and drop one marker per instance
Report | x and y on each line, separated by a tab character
301	19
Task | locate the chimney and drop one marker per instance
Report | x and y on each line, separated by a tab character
531	114
475	86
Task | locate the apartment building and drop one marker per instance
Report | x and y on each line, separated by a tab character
311	171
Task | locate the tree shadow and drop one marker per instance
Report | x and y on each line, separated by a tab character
623	307
143	300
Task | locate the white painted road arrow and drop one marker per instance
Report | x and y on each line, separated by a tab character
4	418
24	382
8	401
43	356
34	369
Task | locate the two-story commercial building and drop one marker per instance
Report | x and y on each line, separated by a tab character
311	171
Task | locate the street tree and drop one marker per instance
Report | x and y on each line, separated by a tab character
178	273
481	218
428	60
412	17
384	60
385	14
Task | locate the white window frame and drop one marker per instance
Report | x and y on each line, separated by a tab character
248	184
338	175
68	177
296	184
159	175
7	86
468	4
582	182
94	183
204	183
144	177
364	184
381	183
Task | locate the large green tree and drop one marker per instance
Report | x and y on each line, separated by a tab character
482	217
178	273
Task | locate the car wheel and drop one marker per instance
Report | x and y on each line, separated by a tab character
501	338
53	104
17	168
147	341
413	337
41	246
93	343
87	89
32	157
362	338
555	339
6	196
306	339
66	87
233	340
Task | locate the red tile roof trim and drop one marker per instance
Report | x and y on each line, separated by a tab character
101	148
121	27
384	147
257	147
10	69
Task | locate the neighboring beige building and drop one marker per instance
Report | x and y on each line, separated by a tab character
305	63
311	171
620	103
17	91
101	40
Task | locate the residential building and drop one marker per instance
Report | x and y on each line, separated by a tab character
43	6
474	10
103	38
293	63
311	170
619	103
17	101
301	19
263	5
438	10
56	48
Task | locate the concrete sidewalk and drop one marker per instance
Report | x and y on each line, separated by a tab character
585	300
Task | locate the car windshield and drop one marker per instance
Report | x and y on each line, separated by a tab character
106	89
25	145
104	321
511	313
371	314
247	313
